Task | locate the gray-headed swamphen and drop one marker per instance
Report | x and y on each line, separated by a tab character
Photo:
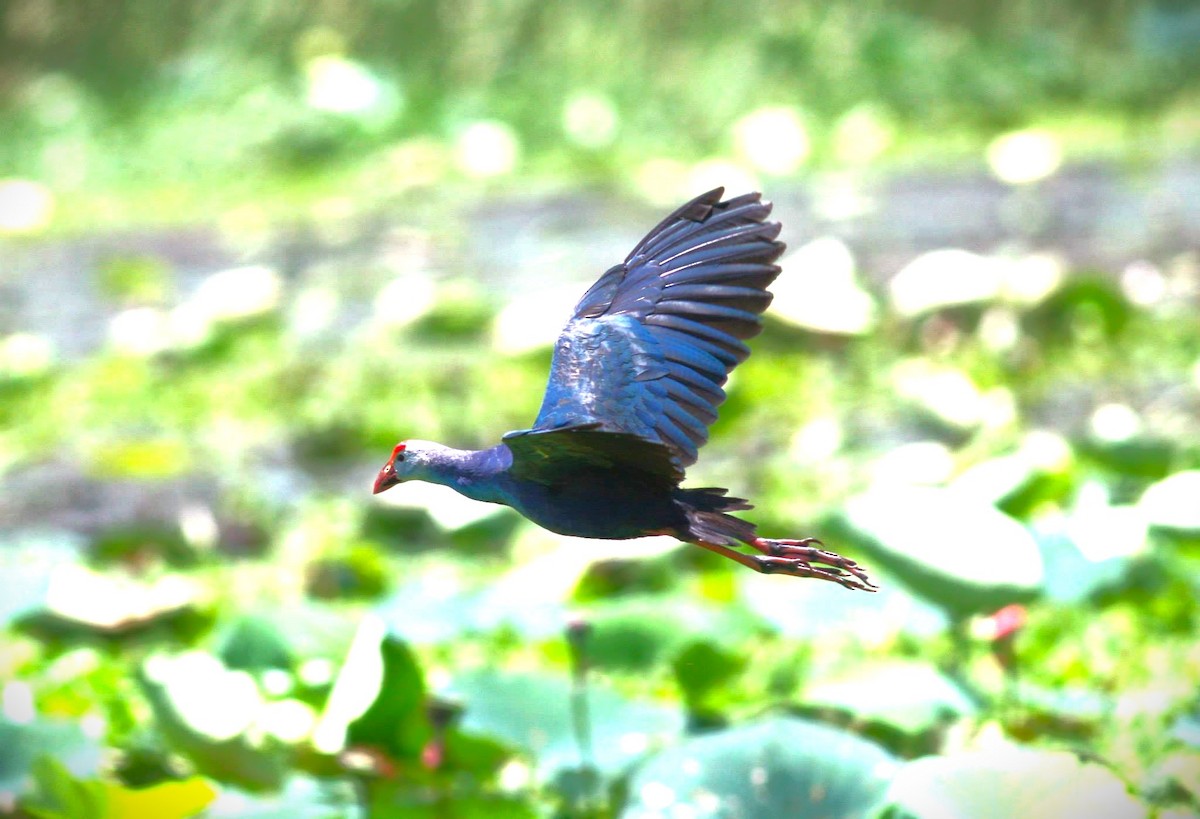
635	381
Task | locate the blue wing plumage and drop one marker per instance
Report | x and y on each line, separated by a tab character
652	342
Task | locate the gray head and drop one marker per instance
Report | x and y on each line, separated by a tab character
411	460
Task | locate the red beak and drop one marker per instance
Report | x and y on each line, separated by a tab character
386	479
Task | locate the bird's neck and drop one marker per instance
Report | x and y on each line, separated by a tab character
478	474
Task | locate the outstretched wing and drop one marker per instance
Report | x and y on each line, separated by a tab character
652	342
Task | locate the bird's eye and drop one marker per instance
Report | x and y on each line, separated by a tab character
399	458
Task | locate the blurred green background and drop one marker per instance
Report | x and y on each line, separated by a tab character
245	247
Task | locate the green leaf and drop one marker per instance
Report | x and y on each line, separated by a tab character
1142	456
1088	307
59	795
359	571
395	721
1005	782
628	576
636	634
782	766
952	549
254	644
702	668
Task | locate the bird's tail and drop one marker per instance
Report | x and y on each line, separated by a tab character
706	519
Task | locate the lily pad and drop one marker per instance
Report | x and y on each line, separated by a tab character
909	696
533	712
954	550
1009	781
781	766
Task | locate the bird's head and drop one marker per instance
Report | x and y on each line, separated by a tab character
411	460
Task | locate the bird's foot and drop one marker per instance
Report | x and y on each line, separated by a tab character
796	558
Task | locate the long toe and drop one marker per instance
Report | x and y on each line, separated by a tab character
794	567
803	553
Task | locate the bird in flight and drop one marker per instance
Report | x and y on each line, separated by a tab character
635	381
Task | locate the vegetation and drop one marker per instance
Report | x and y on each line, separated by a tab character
204	610
151	111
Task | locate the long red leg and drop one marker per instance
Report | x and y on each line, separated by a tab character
794	558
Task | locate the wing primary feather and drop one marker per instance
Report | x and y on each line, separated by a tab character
738	273
722	331
700	329
707	254
751	209
714	231
694	212
766	232
714	292
707	309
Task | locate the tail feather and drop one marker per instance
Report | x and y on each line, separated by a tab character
706	519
